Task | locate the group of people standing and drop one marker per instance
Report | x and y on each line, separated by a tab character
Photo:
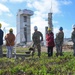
37	38
51	42
10	42
58	42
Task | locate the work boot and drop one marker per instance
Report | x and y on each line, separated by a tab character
61	54
57	54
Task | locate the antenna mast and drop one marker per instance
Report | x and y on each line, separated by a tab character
50	18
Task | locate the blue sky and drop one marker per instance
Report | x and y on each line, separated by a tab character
63	14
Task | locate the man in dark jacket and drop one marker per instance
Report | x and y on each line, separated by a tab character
1	40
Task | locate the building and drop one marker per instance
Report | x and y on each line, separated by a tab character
23	26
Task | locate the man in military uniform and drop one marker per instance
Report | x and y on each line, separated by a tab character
73	38
59	41
37	38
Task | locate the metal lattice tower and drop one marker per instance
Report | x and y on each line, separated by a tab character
50	18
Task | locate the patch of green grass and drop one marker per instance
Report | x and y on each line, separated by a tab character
61	65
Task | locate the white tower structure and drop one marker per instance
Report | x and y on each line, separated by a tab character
23	26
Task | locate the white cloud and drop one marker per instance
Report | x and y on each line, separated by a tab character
17	0
67	2
44	6
3	8
9	14
3	0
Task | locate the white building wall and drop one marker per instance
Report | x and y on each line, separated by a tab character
18	29
21	25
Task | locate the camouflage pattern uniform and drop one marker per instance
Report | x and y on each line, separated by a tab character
59	42
73	39
36	41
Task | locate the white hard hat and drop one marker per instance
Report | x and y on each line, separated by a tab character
73	26
35	28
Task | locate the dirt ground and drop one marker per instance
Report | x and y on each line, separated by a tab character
44	49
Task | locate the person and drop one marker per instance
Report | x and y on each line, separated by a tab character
73	38
37	38
50	42
59	41
10	42
1	40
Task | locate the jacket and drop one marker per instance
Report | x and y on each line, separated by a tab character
73	36
10	39
59	37
50	39
1	37
36	37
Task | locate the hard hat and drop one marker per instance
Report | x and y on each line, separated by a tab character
35	28
11	29
73	26
61	28
0	25
49	29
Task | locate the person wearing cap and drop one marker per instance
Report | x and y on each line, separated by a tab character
37	38
10	42
1	40
73	38
50	42
59	41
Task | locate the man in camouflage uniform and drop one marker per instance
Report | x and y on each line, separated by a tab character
73	38
59	41
37	40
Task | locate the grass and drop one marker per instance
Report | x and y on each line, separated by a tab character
61	65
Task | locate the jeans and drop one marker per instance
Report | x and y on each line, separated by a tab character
9	51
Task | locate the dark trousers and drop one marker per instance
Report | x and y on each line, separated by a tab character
50	51
1	52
